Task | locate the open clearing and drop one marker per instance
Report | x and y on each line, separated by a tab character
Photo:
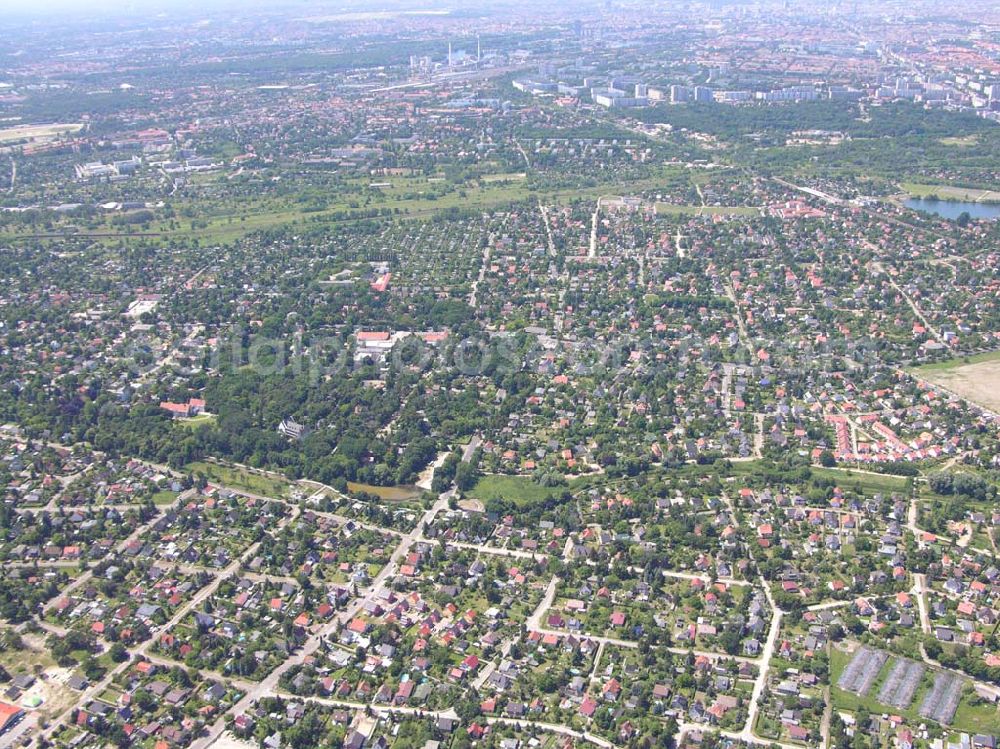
960	140
240	478
522	491
869	481
387	493
512	176
975	378
228	741
947	192
406	198
34	132
51	687
200	420
669	209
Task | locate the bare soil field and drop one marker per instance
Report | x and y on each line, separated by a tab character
228	741
34	132
51	684
472	505
978	380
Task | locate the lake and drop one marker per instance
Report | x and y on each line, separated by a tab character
953	208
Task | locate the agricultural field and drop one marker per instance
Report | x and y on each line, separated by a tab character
975	377
30	133
949	192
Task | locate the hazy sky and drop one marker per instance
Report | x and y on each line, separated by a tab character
62	6
128	7
135	7
83	7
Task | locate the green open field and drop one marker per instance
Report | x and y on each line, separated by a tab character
34	657
388	493
227	219
976	378
197	421
948	192
520	490
31	132
981	718
668	209
951	365
238	478
164	497
870	482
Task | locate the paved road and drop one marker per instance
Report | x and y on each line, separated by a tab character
911	524
95	689
534	622
707	579
498	551
681	252
13	736
143	528
43	564
548	228
764	667
740	323
553	728
474	294
764	661
919	592
469	450
995	415
269	685
688	727
119	507
592	250
909	300
824	196
67	481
